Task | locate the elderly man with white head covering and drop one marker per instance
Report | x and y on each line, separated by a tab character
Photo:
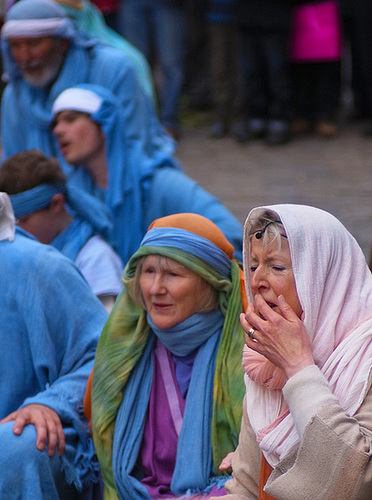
50	324
44	53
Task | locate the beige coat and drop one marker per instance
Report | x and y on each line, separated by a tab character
333	462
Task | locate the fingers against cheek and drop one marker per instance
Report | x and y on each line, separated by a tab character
244	322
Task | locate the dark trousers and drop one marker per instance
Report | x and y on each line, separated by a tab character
266	73
357	19
225	76
317	90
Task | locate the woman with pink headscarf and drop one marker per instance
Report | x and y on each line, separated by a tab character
307	425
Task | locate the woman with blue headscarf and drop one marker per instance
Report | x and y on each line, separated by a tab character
167	381
136	185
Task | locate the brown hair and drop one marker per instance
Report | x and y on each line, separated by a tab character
27	170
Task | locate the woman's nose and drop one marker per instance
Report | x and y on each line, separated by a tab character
157	285
259	280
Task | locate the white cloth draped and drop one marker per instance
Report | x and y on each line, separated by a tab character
334	286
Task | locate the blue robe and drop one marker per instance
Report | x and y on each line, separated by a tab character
50	324
163	192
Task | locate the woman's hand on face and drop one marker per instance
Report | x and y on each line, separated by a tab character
281	338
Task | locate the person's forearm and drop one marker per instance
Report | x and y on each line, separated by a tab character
307	392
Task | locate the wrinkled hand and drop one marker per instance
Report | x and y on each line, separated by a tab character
47	424
281	338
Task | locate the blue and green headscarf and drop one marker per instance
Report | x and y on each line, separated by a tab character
124	359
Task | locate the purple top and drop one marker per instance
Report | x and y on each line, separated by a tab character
158	452
159	446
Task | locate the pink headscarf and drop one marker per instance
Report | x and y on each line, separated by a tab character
334	287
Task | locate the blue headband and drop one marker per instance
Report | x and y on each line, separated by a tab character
189	242
35	199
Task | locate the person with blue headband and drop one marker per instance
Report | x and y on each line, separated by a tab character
167	384
90	132
44	53
50	324
74	222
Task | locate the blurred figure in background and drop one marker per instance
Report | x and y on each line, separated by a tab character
315	51
225	68
264	29
357	22
157	28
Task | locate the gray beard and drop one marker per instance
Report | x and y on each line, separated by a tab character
48	76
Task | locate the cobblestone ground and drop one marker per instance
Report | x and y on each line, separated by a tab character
333	174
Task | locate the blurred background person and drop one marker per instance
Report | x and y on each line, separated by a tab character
157	28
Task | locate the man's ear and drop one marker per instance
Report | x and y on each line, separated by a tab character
57	203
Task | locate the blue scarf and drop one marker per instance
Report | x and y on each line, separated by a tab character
184	338
73	238
194	452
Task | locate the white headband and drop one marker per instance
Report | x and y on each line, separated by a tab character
7	219
83	100
31	27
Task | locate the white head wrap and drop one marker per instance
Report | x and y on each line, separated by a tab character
77	99
334	287
31	27
37	18
7	219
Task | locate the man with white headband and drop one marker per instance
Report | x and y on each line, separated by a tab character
50	324
91	137
44	53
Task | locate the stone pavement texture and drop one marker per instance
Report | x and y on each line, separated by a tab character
333	174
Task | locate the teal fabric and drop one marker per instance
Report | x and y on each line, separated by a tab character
91	20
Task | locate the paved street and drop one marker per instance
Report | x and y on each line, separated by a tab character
335	174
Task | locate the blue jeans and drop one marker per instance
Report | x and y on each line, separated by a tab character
157	29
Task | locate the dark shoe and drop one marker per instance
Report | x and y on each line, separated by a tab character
300	126
218	130
326	129
240	131
256	128
277	133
